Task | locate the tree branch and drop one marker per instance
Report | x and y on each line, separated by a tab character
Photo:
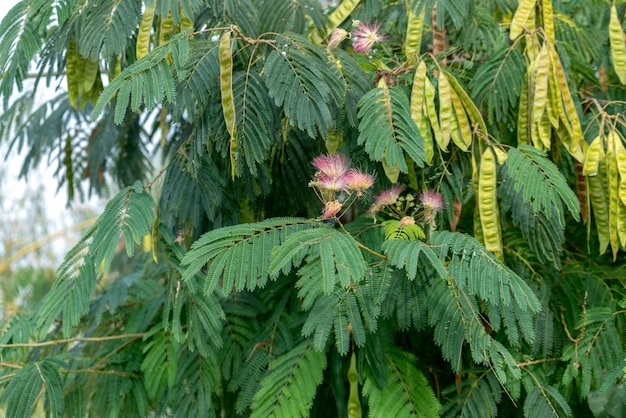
72	340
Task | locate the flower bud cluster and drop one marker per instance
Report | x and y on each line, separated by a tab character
337	184
408	209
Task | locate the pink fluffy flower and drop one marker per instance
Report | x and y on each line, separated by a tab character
431	200
389	196
331	209
334	184
365	36
356	180
333	166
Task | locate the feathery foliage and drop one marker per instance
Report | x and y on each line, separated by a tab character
338	208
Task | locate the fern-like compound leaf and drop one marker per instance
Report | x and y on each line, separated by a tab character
407	392
149	80
540	182
129	215
497	84
22	32
107	27
300	81
238	256
546	401
288	388
253	117
412	255
387	130
476	270
474	397
340	260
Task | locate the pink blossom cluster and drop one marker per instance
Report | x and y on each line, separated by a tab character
335	175
405	208
366	35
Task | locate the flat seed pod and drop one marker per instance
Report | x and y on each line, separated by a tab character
166	29
186	22
598	198
71	62
613	186
488	203
143	34
548	20
474	114
593	156
575	144
414	31
228	103
418	100
445	110
478	228
540	98
620	158
462	134
523	125
618	45
431	112
340	14
523	13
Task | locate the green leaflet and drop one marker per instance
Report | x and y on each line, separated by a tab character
23	390
387	130
476	396
130	215
107	27
300	81
541	182
407	393
288	388
20	41
546	401
149	80
239	256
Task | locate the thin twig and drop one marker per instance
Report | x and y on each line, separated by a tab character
72	340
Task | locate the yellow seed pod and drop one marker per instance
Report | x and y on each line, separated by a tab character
620	158
478	228
488	203
228	102
523	14
445	110
418	114
340	14
613	186
462	134
414	31
431	112
501	155
548	20
417	92
575	144
618	45
470	107
523	125
186	22
334	141
540	98
145	29
598	198
392	172
166	29
593	156
90	73
71	75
